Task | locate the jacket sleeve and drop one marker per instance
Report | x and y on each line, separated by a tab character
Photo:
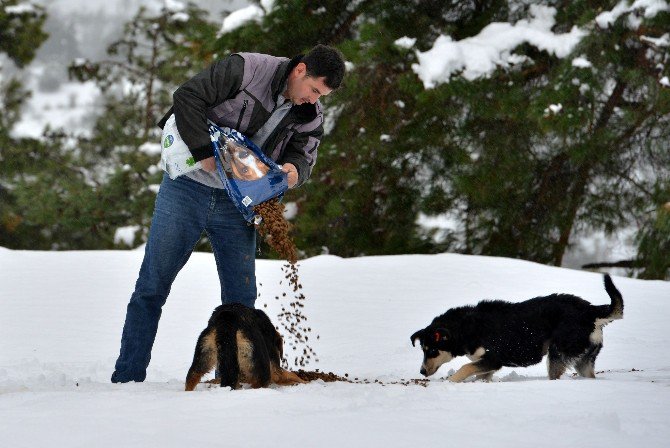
301	151
222	80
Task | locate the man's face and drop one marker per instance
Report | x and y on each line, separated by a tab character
303	88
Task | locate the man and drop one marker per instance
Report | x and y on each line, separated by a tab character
272	100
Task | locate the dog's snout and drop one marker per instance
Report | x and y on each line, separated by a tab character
423	371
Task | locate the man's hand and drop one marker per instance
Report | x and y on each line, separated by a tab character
292	172
208	165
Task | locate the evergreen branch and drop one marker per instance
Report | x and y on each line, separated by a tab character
344	23
117	64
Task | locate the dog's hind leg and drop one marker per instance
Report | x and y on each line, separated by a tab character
556	364
585	364
204	358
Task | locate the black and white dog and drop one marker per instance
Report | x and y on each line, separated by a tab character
496	333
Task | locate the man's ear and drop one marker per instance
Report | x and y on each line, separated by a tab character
301	68
416	336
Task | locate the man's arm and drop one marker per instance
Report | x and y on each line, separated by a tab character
208	88
301	152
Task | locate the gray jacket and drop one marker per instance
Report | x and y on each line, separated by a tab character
240	92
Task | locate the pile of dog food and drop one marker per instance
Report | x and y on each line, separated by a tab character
330	377
275	229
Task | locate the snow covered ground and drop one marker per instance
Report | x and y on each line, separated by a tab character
61	315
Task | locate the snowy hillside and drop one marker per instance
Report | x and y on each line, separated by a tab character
61	316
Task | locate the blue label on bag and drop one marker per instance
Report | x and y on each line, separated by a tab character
169	140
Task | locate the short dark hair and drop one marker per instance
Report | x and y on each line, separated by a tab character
325	61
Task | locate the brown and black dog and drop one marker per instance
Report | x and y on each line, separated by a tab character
244	346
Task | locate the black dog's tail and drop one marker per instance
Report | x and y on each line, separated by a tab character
615	309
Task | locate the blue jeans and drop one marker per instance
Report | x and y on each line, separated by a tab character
184	208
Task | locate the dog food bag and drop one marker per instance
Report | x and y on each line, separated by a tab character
248	175
176	159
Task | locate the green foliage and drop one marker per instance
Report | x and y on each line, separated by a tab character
525	160
524	178
538	177
12	97
21	31
155	53
654	245
73	192
20	36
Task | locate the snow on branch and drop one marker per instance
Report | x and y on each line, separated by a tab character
479	56
242	16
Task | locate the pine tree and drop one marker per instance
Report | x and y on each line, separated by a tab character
654	245
590	166
21	31
363	197
73	192
524	160
524	179
20	35
154	55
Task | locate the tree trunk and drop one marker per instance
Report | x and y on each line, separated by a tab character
578	191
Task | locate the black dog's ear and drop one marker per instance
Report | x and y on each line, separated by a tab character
416	336
440	334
